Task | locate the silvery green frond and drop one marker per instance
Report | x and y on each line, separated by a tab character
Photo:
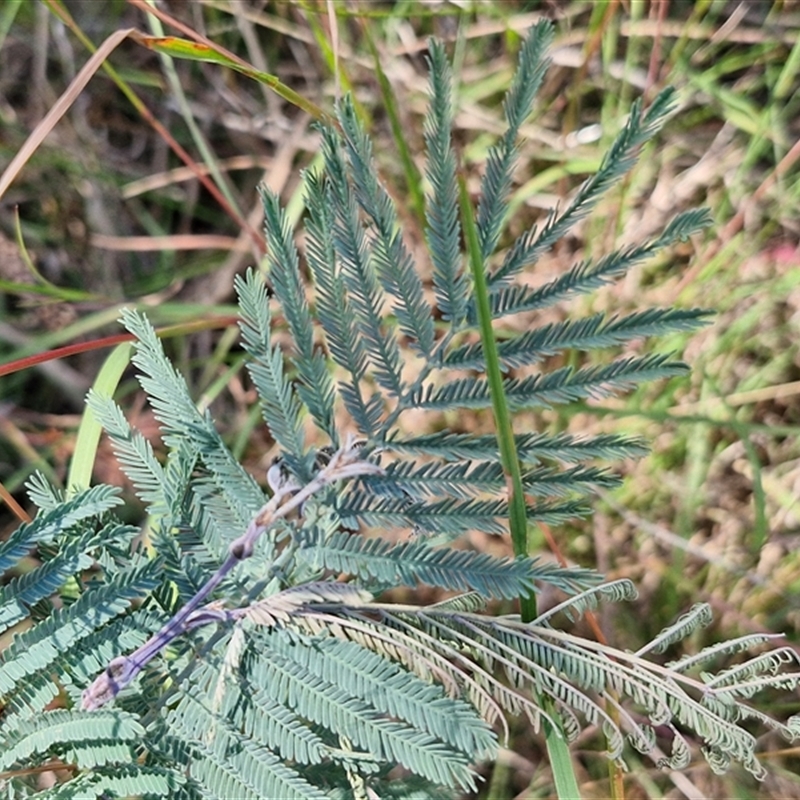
589	333
166	388
749	672
119	780
180	418
164	488
228	763
462	479
283	732
570	670
277	609
544	390
391	690
345	344
390	257
443	231
570	580
747	713
531	448
501	159
210	515
619	158
698	616
22	592
134	453
111	737
565	482
471	602
466	479
575	673
408	563
358	272
303	688
586	276
450	517
589	599
50	524
314	384
478	651
724	648
36	649
42	494
469	479
279	402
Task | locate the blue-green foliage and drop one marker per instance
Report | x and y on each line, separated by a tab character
314	384
279	400
309	686
502	157
441	212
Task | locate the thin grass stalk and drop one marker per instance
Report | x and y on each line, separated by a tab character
557	747
209	159
410	170
330	54
518	519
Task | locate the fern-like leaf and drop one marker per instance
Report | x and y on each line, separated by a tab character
314	385
83	506
42	494
24	591
36	648
345	344
502	157
531	448
564	385
358	273
68	731
320	701
698	616
617	161
180	418
134	453
587	276
588	333
410	562
231	764
280	404
441	212
391	690
391	259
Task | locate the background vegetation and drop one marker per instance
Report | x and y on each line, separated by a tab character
109	216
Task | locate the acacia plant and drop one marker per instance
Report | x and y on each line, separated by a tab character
246	652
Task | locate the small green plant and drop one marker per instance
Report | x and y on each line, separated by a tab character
247	652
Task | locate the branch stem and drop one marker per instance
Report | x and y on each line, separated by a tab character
344	464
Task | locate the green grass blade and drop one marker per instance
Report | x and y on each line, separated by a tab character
199	139
505	432
80	470
561	762
557	748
